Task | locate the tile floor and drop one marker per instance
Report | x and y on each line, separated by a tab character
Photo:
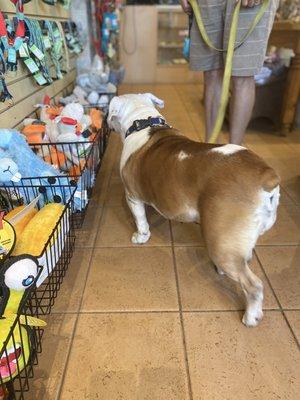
156	322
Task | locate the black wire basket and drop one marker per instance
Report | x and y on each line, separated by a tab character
19	352
81	165
57	252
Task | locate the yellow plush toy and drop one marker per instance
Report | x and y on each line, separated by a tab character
17	276
37	232
20	225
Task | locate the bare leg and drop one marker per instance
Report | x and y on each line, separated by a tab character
241	106
212	93
137	208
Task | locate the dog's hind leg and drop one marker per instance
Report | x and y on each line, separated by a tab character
229	247
137	208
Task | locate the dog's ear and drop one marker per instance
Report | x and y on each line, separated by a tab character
114	109
155	100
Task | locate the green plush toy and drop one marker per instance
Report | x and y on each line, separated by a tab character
17	276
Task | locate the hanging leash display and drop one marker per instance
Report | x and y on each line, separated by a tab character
232	46
72	37
65	46
11	39
33	52
55	37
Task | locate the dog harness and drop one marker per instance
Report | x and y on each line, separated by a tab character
141	124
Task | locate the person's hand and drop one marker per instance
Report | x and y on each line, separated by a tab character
186	6
250	3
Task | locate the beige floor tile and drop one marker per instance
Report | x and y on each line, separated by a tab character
186	234
127	356
286	229
118	225
49	372
131	279
294	320
71	291
286	197
281	265
292	187
232	362
86	235
115	195
201	288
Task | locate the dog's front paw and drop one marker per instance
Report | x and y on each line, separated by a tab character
252	319
140	238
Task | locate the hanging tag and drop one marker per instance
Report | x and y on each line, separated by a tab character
47	42
23	51
7	238
40	79
12	55
31	65
56	34
37	52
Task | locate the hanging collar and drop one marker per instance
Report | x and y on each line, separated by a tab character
141	124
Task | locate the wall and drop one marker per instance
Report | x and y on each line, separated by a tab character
26	93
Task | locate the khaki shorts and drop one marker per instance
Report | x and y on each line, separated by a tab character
217	15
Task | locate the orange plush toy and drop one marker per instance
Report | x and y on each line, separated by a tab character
56	158
96	117
34	132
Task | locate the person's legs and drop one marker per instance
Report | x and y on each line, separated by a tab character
241	106
212	93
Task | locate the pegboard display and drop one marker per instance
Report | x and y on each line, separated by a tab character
21	85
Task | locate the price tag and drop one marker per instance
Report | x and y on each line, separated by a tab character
7	239
31	65
23	51
12	55
37	52
40	79
47	42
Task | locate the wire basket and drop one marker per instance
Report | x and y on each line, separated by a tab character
19	353
80	161
58	249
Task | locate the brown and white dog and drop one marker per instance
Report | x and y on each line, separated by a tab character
230	189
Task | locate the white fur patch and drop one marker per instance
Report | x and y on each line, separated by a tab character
183	155
266	213
228	149
132	144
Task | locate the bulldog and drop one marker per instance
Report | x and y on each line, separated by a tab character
230	189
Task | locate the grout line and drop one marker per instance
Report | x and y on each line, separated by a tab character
277	299
118	312
80	304
159	246
187	368
192	311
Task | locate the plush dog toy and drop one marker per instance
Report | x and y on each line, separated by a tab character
17	276
17	161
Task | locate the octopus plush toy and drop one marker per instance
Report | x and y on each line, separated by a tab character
18	161
18	275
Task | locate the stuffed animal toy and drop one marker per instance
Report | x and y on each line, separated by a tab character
20	225
17	276
34	131
38	233
17	161
38	230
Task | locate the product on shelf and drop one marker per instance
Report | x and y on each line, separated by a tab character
38	230
18	162
17	276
